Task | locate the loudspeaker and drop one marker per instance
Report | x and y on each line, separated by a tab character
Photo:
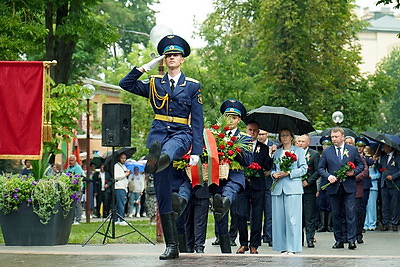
116	125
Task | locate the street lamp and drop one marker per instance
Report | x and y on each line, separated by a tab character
337	117
88	94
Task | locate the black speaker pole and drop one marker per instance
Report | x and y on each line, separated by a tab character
113	216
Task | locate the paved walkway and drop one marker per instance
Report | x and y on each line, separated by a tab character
379	249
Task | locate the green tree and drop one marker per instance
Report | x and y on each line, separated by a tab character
387	106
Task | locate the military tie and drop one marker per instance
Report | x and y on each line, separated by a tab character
172	84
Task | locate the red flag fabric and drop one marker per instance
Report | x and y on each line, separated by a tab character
21	107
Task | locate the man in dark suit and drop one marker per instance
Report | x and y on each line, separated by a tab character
250	202
267	227
389	165
341	193
102	190
309	181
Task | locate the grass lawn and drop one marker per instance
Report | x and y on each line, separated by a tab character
80	233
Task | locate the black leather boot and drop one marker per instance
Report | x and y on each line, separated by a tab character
170	236
153	158
183	248
178	204
221	206
225	243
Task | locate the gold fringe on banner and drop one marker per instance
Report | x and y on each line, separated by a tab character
47	130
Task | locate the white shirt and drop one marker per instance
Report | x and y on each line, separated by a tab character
175	78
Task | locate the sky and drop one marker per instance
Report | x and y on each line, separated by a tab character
179	16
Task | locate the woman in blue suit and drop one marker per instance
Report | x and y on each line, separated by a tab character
287	197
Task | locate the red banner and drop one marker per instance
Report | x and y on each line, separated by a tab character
21	108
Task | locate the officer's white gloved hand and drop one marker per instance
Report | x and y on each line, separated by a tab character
194	159
152	64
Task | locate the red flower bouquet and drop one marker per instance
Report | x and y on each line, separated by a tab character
285	164
253	170
341	174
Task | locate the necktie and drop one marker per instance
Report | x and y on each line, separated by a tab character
339	155
172	84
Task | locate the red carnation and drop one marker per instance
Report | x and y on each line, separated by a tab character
220	154
221	135
231	152
382	170
229	143
351	164
226	128
287	154
238	150
233	138
221	147
293	157
215	126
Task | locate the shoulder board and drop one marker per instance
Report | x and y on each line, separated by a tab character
157	76
192	80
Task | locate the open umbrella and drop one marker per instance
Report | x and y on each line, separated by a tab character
112	159
97	160
382	138
314	141
273	119
347	132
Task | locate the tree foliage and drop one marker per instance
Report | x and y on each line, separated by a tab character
297	54
387	77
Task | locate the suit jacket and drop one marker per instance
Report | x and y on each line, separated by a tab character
245	159
97	182
185	99
260	156
312	159
329	163
290	184
360	178
391	168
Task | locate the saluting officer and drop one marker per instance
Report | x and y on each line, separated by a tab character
173	97
226	192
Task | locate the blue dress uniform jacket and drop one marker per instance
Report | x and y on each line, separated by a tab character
245	159
184	100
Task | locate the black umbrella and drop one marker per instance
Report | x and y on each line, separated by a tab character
112	159
382	138
273	119
97	160
314	141
347	132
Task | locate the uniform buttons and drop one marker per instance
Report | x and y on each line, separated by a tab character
168	127
170	109
170	100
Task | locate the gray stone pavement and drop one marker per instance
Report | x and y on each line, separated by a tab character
379	249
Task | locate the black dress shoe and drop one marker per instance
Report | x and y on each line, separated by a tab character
338	245
360	240
394	228
199	250
233	243
216	242
352	245
310	244
385	228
